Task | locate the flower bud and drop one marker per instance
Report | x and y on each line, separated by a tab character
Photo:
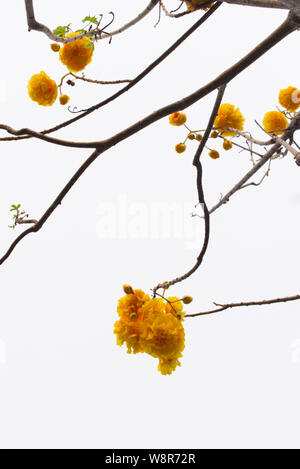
187	300
214	154
128	289
64	99
180	148
55	47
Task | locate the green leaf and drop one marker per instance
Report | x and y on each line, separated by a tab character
91	19
61	31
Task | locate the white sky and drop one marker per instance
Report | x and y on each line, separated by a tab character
64	382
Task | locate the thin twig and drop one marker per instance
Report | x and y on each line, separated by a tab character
34	25
273	150
239	305
201	198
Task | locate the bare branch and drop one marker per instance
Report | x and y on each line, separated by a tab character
273	150
34	25
239	305
281	4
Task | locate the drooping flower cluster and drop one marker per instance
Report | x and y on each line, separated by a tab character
78	54
152	326
42	89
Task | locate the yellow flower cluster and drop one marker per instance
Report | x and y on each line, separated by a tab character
152	326
42	89
78	54
289	98
192	4
229	116
275	122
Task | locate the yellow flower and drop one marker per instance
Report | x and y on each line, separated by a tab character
192	4
290	98
175	307
42	89
275	122
177	119
180	147
78	54
229	116
64	99
151	326
214	154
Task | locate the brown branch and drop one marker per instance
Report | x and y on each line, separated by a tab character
201	198
46	138
239	305
134	82
273	150
34	25
260	3
100	82
289	25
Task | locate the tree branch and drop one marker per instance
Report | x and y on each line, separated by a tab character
134	82
239	305
201	198
273	150
289	25
34	25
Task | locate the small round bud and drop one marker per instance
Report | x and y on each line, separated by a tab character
227	145
199	137
55	47
214	134
128	289
180	148
64	99
191	136
165	286
214	154
187	300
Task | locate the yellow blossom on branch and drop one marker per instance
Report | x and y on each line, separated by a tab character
78	54
177	119
152	326
275	122
42	89
229	116
289	98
